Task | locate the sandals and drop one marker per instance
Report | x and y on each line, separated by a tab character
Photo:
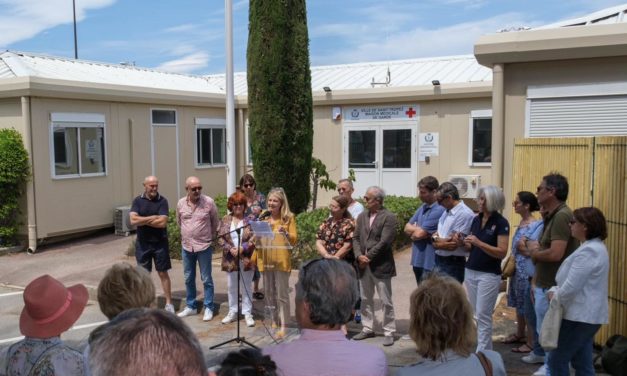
523	349
258	295
513	338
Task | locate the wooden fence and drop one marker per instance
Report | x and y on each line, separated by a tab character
596	169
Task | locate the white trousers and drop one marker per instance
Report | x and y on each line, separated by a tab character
482	289
277	291
369	283
246	289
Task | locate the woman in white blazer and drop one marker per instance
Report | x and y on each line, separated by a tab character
582	282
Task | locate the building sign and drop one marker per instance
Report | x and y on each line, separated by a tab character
428	145
381	113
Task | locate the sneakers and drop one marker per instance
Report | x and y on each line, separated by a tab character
187	312
541	371
532	358
169	308
229	318
357	317
208	316
363	335
388	340
250	321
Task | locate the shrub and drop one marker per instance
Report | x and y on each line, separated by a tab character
14	173
404	208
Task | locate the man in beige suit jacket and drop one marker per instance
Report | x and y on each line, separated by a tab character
372	244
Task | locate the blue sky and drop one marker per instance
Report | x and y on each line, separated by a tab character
187	36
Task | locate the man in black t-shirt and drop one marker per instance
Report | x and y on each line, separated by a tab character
149	213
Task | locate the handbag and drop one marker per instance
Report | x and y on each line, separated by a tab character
510	266
550	330
485	363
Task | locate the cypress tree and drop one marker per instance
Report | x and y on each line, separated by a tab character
279	98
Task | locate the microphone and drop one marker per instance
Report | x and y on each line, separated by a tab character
265	215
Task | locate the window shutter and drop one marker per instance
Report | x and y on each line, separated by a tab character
578	116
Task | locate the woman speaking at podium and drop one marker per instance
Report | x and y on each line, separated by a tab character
274	259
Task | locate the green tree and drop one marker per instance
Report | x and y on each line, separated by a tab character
279	98
14	172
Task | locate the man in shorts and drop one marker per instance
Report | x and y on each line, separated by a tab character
149	213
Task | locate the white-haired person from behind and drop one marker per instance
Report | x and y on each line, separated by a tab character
50	309
442	326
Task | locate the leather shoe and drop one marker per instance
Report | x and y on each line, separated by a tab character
363	335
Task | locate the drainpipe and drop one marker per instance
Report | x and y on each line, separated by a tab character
30	184
498	124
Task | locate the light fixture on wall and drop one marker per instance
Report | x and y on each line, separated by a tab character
435	82
326	89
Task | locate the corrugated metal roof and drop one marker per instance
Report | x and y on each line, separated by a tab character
403	73
14	64
613	14
414	72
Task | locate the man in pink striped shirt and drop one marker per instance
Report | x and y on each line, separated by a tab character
197	217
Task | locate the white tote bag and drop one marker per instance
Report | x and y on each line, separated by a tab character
550	331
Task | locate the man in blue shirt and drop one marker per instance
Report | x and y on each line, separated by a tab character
422	225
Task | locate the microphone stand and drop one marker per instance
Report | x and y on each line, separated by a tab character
237	338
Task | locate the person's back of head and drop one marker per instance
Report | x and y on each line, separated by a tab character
448	189
330	289
123	287
146	341
441	318
247	362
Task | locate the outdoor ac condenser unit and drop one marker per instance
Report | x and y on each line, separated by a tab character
467	185
122	222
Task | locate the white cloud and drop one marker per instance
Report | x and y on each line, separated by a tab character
186	64
23	19
419	42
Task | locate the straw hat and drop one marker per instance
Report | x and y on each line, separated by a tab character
50	308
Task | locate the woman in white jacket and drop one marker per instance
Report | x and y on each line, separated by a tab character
582	283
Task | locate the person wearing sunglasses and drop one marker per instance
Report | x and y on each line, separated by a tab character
255	204
556	243
582	289
197	216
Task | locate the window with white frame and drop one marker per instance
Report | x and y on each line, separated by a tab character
480	138
210	142
77	145
163	117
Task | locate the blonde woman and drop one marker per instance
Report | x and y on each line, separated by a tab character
274	258
442	326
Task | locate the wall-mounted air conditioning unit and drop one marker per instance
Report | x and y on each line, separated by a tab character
122	221
467	185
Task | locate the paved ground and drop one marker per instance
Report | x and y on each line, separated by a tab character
86	260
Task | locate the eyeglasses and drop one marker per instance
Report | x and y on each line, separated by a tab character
540	188
196	189
238	204
249	185
442	198
308	264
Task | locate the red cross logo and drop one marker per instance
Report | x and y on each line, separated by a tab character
410	112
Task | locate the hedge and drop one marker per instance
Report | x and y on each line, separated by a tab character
14	173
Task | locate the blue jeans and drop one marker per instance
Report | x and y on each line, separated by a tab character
575	346
541	305
189	272
530	317
451	265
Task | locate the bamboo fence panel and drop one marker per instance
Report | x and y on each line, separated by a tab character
610	190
